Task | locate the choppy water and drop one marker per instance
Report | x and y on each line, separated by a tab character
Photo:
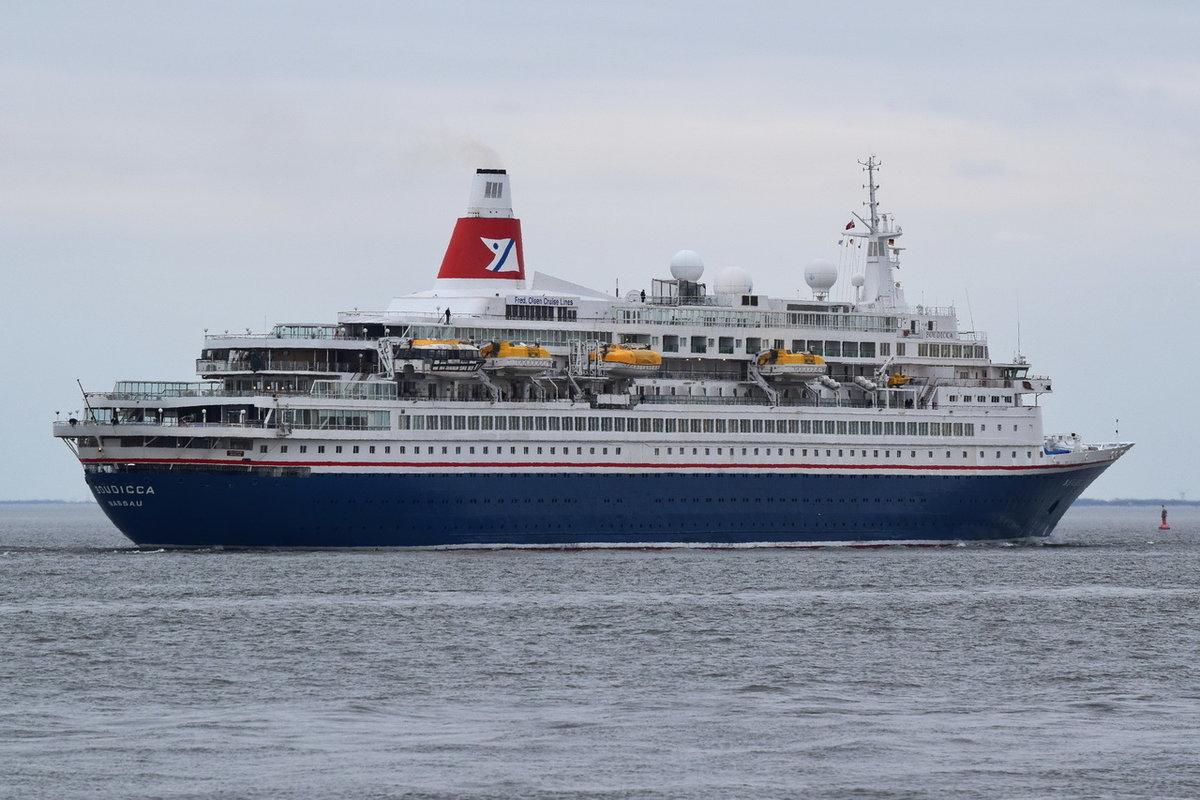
978	672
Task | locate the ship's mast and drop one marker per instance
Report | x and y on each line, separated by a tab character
870	165
881	290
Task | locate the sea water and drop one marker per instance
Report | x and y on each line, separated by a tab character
1067	670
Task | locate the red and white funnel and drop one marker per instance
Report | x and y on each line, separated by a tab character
486	243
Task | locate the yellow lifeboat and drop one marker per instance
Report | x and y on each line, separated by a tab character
624	361
785	365
898	380
515	358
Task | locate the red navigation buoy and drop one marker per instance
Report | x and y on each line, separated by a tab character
1164	526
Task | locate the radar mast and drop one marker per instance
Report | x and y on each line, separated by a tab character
881	290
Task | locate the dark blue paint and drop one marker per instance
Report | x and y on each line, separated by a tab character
237	509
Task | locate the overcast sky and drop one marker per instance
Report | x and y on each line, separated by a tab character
171	167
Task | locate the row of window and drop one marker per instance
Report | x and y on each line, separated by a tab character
731	345
560	313
565	450
337	419
939	350
981	398
458	450
731	318
546	337
615	424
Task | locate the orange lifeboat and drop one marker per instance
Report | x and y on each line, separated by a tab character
515	358
785	365
623	361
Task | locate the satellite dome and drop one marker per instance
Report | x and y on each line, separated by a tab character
734	280
687	266
857	280
820	276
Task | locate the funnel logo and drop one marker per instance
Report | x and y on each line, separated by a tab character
501	252
484	247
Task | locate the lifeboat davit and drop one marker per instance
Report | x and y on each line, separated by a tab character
784	365
515	358
441	356
623	361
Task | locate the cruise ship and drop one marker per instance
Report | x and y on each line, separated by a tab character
505	408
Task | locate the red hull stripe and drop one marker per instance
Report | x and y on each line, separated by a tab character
566	465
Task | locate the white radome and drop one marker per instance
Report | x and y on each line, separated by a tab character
734	280
686	265
820	275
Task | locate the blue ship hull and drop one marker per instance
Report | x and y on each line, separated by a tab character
237	509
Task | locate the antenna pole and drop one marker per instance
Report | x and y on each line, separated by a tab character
91	413
869	166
